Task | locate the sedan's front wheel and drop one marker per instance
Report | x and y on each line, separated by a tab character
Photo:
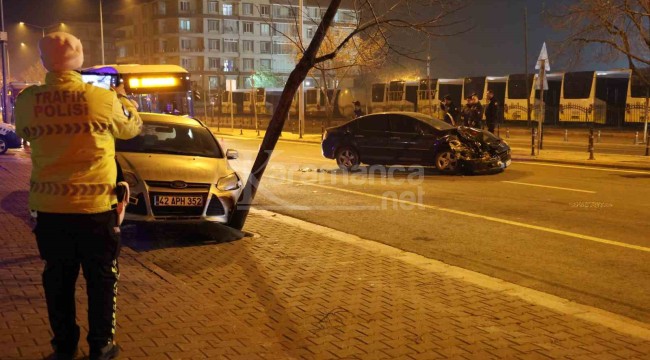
347	158
3	145
446	161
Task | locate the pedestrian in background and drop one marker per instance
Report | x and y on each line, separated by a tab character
72	127
357	109
450	109
491	111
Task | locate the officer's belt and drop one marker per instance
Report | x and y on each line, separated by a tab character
72	189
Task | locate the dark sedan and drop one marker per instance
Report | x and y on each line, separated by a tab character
408	138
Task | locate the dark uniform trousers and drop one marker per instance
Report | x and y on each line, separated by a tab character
67	242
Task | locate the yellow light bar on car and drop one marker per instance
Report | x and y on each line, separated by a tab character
153	82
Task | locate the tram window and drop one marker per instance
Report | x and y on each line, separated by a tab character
577	85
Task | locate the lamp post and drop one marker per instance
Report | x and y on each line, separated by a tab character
5	73
101	28
42	28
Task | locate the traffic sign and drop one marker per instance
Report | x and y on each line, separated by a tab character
543	58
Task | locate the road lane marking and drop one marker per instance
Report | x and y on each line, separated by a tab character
587	313
478	216
527	162
549	187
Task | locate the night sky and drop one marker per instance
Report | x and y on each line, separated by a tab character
495	46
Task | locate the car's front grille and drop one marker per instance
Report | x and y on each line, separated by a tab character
215	208
182	211
168	185
140	208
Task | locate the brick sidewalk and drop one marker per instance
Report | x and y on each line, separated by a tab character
290	293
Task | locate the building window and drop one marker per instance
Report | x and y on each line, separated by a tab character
265	29
185	25
214	63
265	64
247	9
310	32
265	47
230	46
247	46
229	65
248	27
186	63
185	6
214	44
227	9
162	8
186	44
231	27
282	48
213	25
213	7
265	10
213	81
249	64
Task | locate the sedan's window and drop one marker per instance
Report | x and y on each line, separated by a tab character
161	138
373	123
403	124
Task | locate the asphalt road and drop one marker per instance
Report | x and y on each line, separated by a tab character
579	233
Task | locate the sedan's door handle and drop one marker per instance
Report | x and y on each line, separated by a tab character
395	138
359	136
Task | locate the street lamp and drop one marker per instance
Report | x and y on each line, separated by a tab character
22	23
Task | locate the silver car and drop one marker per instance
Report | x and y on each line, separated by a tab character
177	172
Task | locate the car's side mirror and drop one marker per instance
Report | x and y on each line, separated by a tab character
232	154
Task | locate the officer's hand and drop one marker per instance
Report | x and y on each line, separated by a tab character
119	89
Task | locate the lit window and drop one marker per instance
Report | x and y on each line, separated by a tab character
185	24
227	9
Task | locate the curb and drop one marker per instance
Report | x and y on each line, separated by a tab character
616	166
586	313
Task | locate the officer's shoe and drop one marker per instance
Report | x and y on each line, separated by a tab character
59	355
110	351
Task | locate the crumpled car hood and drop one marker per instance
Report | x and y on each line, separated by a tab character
164	167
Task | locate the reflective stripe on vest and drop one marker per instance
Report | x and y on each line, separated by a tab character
72	189
65	129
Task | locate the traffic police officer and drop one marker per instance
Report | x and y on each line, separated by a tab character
72	127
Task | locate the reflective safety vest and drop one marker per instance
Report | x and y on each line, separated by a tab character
72	127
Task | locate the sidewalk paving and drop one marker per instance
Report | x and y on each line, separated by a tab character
300	291
632	162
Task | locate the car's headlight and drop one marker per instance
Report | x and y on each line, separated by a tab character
228	183
130	179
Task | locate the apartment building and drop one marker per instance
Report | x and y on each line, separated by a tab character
219	40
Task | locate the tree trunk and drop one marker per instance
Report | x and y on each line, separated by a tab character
276	124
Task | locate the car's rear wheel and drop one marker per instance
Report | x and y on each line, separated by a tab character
347	158
446	161
3	145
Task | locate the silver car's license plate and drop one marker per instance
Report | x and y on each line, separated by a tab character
170	200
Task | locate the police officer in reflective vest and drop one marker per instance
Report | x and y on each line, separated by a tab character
72	127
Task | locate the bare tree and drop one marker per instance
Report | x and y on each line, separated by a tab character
35	73
394	21
607	30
